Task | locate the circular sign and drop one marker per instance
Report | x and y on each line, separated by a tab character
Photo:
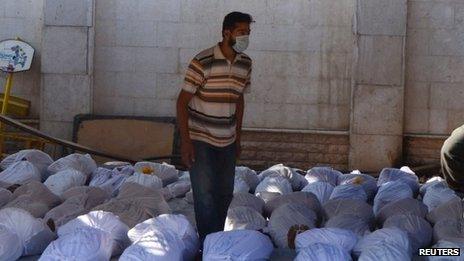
15	56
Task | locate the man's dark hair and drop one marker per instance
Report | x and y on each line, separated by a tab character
231	20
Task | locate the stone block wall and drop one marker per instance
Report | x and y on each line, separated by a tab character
301	50
434	67
24	19
67	64
262	149
420	150
376	129
385	75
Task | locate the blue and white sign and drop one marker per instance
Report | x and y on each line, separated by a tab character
15	56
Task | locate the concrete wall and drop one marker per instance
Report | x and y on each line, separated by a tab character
435	67
24	19
302	52
67	64
314	69
376	129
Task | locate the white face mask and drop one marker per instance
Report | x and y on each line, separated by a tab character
241	43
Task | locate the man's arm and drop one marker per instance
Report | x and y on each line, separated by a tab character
239	116
194	78
187	152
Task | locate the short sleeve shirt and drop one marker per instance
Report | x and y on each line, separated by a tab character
216	85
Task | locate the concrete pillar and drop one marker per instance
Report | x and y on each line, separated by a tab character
67	64
378	84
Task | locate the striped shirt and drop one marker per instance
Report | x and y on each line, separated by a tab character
217	85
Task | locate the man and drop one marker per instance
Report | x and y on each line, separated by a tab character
209	114
452	160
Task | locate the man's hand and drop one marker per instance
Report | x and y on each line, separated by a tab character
187	153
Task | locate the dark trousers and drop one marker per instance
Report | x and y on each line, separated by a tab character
452	159
212	177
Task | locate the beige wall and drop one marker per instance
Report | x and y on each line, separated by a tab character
435	67
302	52
24	19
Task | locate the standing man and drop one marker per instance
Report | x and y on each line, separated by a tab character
209	114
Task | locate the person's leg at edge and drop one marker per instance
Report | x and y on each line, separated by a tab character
224	189
202	178
452	160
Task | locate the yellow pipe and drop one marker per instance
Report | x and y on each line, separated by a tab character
6	99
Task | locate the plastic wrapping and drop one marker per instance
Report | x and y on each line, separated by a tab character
404	175
167	173
114	184
240	186
136	203
176	229
402	206
391	236
104	221
274	184
84	190
247	200
244	218
63	180
349	191
326	252
453	209
342	238
100	176
84	244
160	246
418	229
385	252
111	180
5	197
39	242
368	183
391	192
32	233
20	172
179	188
80	162
305	198
267	196
356	224
149	181
449	229
323	174
287	216
248	175
322	190
35	198
237	245
448	244
11	247
184	175
296	180
436	196
78	201
432	182
348	207
38	158
189	197
37	190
